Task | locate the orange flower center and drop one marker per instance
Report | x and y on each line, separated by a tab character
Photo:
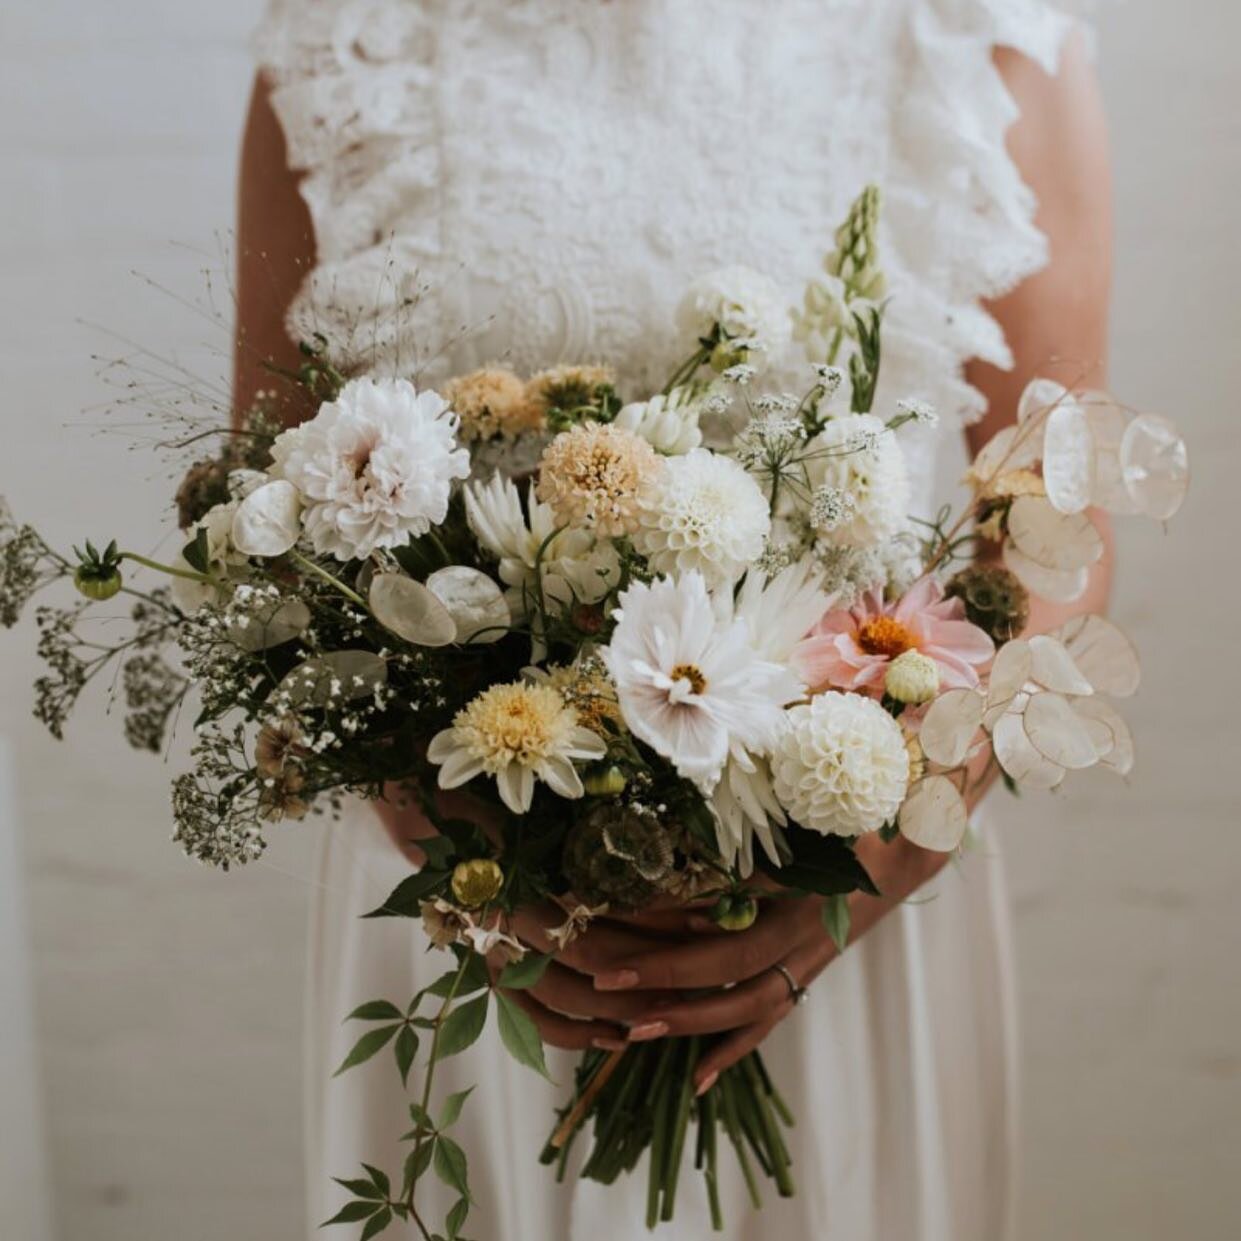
687	672
884	635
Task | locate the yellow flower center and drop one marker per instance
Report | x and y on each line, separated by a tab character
692	674
518	722
884	635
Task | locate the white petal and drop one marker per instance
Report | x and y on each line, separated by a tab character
515	784
950	725
1016	755
410	610
268	521
1052	667
1155	466
1103	653
476	604
1056	585
459	768
561	777
1058	733
1050	538
1110	733
1068	458
934	815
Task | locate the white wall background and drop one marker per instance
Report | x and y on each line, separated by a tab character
168	999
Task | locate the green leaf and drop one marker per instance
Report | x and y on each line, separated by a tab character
371	1042
836	918
474	978
520	1034
197	551
450	1113
406	1050
526	973
419	1115
456	1218
351	1212
451	1166
439	850
375	1010
361	1189
416	1163
380	1179
376	1224
462	1027
823	864
408	895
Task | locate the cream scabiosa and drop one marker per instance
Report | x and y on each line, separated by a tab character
373	467
689	685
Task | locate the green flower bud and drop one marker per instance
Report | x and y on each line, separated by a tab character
476	882
97	581
734	912
912	678
605	782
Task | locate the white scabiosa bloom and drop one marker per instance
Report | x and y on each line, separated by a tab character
669	423
857	457
707	515
374	467
517	733
747	307
691	686
841	766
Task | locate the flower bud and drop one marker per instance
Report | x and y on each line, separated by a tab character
734	912
97	581
605	782
476	882
912	678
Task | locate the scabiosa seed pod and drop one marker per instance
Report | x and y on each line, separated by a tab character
204	486
617	856
994	600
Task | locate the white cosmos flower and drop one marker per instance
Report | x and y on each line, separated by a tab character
516	732
858	457
374	467
706	514
574	563
691	686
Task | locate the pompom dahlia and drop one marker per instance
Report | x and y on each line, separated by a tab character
841	765
707	515
852	649
374	467
858	458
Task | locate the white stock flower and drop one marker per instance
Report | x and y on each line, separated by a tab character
690	685
374	467
668	422
706	514
747	306
841	766
858	457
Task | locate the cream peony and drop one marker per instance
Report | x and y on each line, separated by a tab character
690	685
707	515
841	766
859	458
374	467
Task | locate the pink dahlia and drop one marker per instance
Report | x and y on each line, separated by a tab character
851	650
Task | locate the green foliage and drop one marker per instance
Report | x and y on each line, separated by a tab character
836	918
519	1034
826	865
526	973
462	1027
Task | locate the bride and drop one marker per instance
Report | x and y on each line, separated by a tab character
438	184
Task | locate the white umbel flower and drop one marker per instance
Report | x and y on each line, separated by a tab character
706	515
374	467
668	422
859	458
841	766
691	686
516	732
748	308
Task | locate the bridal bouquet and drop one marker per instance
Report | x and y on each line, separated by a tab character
689	647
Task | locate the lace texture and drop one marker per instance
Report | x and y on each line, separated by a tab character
536	181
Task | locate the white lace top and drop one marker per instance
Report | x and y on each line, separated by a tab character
542	178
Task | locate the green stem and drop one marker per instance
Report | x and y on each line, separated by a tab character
311	567
190	574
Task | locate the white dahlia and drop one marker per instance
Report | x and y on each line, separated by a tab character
706	515
841	766
669	423
374	467
690	685
747	307
516	732
858	458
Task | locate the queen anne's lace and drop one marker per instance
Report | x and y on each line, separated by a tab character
536	181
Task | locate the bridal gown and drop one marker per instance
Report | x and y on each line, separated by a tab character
536	181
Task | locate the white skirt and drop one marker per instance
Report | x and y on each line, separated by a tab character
900	1068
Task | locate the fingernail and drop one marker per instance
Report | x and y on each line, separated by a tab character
608	1044
616	980
706	1084
648	1030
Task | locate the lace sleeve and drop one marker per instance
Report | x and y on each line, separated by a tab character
962	219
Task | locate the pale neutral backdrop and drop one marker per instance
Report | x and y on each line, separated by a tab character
167	999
